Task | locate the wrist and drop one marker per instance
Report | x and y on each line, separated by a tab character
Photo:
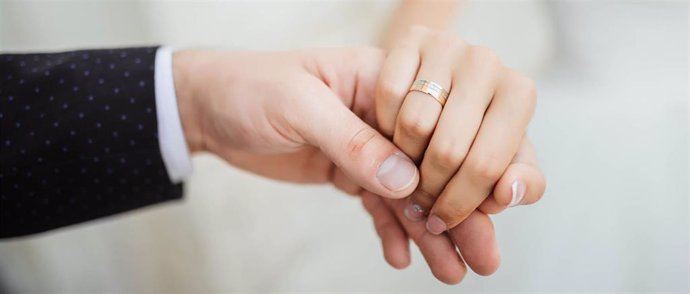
184	68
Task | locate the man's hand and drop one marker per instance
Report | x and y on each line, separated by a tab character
297	116
474	238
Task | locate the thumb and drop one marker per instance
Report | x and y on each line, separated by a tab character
362	153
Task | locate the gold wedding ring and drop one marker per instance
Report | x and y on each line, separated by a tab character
432	89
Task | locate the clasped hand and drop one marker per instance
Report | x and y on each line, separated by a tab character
346	116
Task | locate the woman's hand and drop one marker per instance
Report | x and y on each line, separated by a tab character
466	145
474	238
297	116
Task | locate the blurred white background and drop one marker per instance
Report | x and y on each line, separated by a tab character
611	129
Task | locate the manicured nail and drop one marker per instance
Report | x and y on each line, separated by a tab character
518	188
397	172
435	225
413	211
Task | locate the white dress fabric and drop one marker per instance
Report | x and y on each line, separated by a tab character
611	129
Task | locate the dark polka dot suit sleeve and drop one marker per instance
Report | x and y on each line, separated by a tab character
78	138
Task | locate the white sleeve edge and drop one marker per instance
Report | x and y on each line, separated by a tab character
171	140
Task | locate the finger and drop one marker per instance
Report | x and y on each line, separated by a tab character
395	79
438	251
419	112
476	240
363	154
342	182
522	183
473	87
496	143
396	246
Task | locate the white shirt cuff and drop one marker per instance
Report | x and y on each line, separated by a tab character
171	140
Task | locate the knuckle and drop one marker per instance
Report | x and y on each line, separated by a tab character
522	87
482	62
444	40
444	44
415	124
446	157
485	169
527	88
484	57
412	37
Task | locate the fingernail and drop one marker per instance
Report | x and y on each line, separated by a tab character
396	172
414	212
435	225
518	188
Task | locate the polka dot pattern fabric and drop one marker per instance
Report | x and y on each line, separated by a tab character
78	138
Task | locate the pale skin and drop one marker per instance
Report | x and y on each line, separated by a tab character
297	116
435	15
466	125
395	221
307	116
465	146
